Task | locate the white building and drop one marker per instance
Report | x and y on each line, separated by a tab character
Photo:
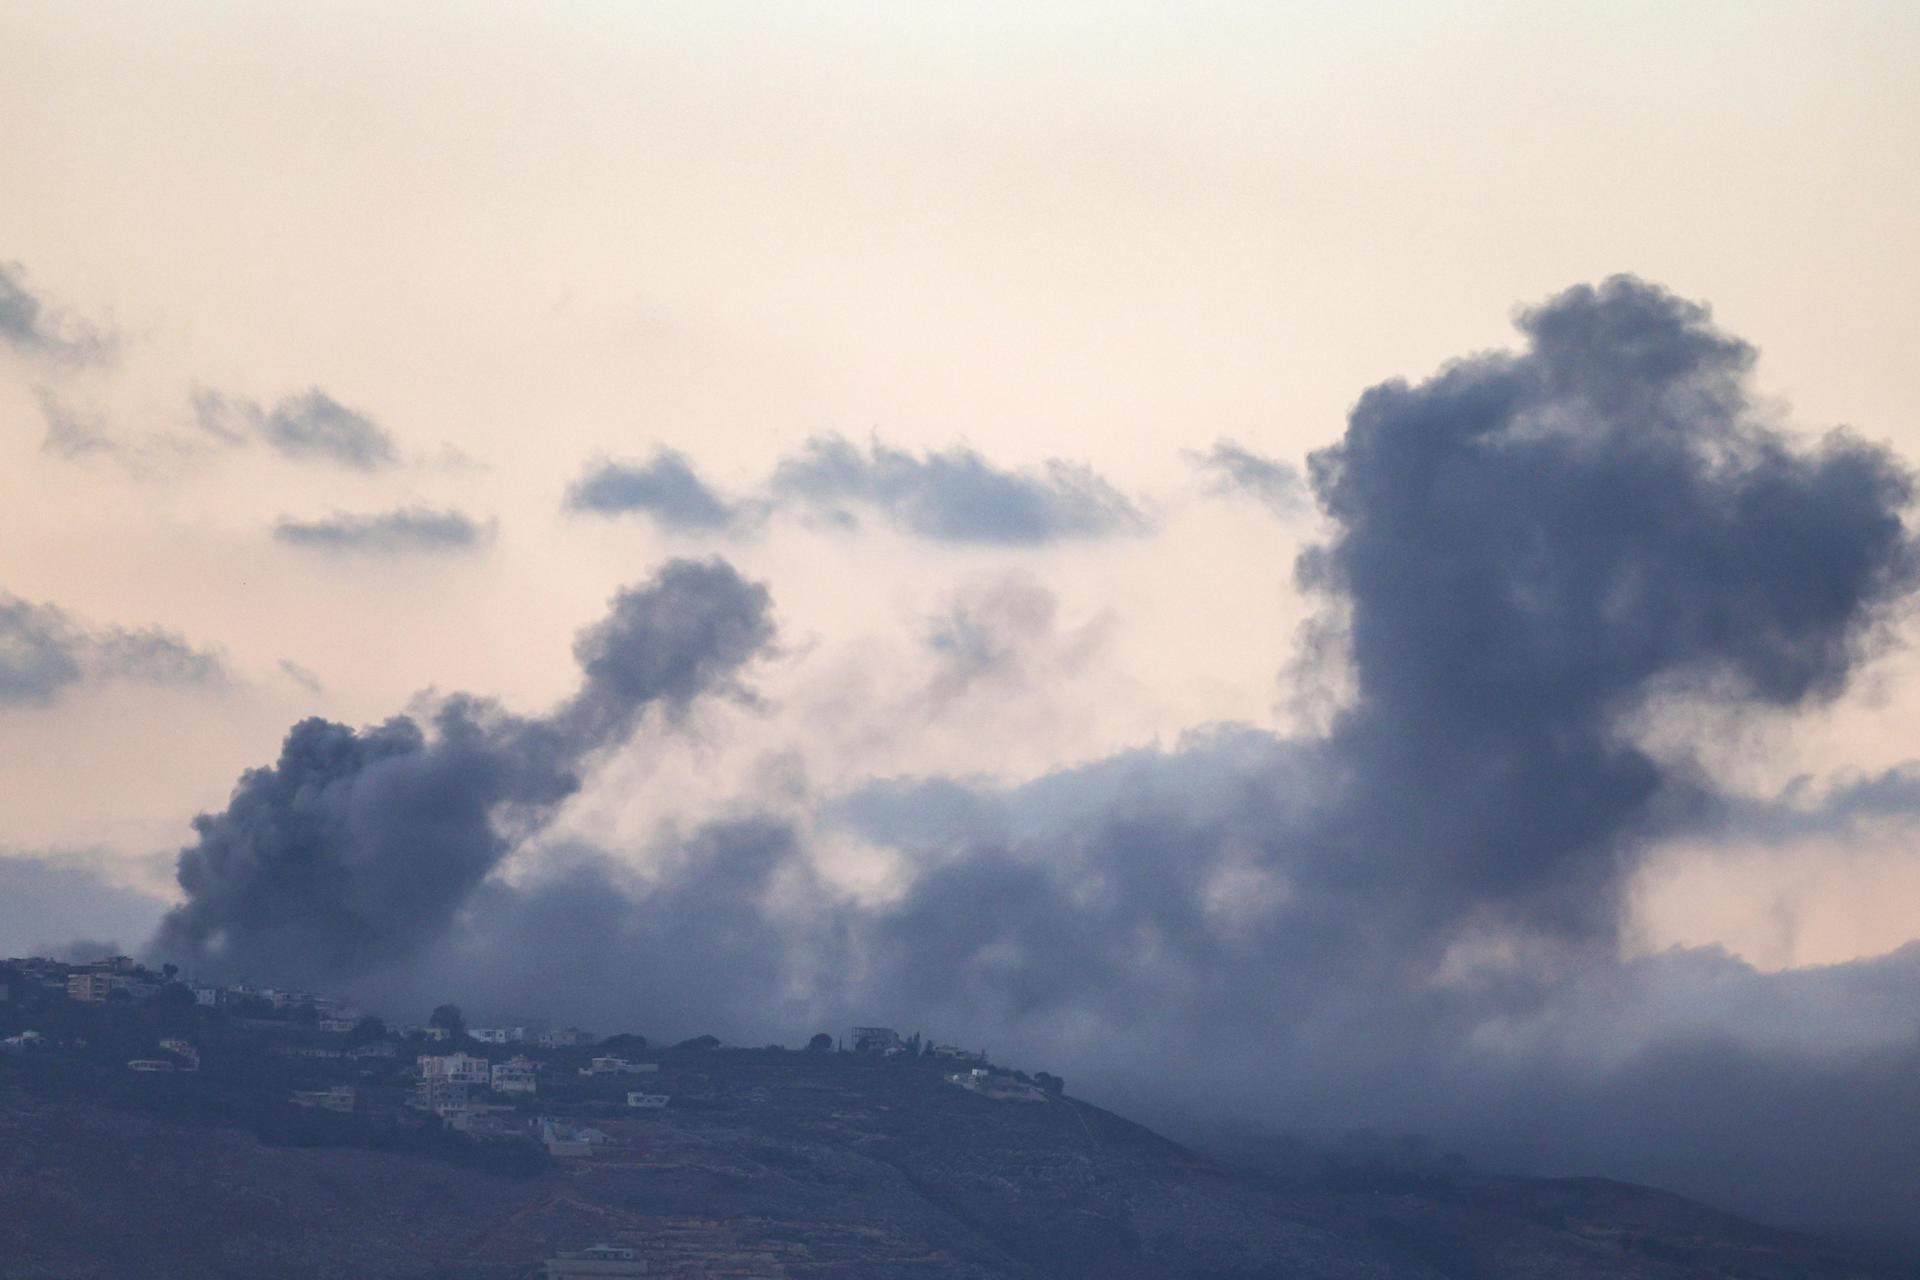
515	1075
648	1101
441	1096
461	1068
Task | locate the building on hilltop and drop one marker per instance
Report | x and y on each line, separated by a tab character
89	987
955	1053
876	1040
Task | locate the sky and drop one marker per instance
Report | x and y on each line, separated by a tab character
877	494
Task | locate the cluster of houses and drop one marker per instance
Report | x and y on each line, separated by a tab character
450	1083
181	1056
886	1042
93	983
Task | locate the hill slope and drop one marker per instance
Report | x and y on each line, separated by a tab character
806	1165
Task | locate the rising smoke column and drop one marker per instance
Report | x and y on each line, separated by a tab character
1533	546
357	848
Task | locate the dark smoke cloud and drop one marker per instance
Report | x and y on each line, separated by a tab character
358	847
1234	468
686	634
1409	922
665	488
1534	546
44	651
400	532
951	496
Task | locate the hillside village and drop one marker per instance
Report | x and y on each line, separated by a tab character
314	1068
156	1126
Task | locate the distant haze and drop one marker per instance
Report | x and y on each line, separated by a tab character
1305	569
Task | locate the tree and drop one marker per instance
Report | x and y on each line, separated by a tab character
1050	1082
822	1043
627	1040
448	1017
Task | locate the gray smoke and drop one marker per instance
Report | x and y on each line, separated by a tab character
1409	922
356	850
1532	548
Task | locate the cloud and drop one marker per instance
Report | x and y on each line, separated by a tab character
357	848
956	495
950	496
1233	468
302	676
43	652
31	328
71	433
313	425
665	488
399	532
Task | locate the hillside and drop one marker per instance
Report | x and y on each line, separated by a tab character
775	1163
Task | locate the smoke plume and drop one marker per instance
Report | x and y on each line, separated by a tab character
1410	921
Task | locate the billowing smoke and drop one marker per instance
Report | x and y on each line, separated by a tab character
358	847
1409	921
1532	547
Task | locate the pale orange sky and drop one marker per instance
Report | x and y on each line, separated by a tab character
1108	233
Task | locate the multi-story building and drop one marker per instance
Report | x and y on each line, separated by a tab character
515	1075
88	986
461	1068
875	1040
441	1096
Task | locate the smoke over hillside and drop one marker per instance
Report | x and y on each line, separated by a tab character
1410	922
